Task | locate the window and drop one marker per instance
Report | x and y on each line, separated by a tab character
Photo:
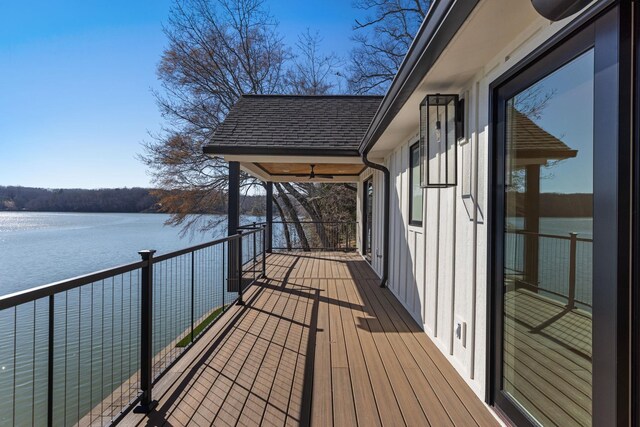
415	191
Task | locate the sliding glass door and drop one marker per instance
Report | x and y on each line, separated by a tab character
555	232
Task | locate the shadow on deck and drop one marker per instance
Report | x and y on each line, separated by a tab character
318	343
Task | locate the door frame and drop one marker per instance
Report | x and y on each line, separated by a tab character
607	26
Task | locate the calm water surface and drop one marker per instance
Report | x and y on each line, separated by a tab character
37	248
96	333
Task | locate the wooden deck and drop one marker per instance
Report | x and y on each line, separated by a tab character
318	343
548	358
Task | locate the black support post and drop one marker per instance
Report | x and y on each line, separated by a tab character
146	325
233	222
268	231
233	212
532	224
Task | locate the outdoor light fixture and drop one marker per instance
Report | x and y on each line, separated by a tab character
440	126
555	10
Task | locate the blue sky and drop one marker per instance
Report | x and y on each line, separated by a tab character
76	80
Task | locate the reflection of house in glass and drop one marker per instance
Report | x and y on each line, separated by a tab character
547	329
532	148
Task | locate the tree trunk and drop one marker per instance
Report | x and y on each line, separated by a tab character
313	213
294	217
287	235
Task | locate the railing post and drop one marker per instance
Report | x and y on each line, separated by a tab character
239	254
146	342
254	250
224	261
269	218
264	250
50	363
571	303
193	292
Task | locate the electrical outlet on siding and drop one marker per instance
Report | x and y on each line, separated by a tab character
460	331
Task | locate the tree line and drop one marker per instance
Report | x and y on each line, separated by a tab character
15	198
557	205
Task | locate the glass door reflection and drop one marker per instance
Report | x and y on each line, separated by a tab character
548	241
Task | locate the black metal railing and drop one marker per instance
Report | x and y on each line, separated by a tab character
315	235
88	349
562	264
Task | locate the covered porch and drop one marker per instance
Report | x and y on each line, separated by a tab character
317	343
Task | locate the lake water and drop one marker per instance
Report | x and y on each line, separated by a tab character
96	333
37	248
554	256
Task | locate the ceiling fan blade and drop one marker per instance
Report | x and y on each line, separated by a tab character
321	175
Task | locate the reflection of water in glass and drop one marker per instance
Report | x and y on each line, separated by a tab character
553	267
96	336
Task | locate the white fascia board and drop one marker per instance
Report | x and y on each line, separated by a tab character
292	159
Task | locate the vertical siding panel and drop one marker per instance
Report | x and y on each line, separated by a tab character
405	232
419	273
402	273
396	215
380	223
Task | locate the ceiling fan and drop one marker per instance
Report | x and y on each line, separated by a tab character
312	174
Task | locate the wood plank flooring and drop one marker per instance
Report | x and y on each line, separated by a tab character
318	343
548	358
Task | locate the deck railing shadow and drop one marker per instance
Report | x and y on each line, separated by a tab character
159	414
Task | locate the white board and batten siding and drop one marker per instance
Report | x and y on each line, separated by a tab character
431	269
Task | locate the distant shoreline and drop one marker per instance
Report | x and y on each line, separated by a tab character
106	200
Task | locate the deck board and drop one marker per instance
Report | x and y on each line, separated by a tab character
318	343
548	352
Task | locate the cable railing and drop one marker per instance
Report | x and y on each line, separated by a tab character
561	265
315	235
87	350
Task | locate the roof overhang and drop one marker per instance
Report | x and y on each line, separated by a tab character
441	24
273	167
235	150
458	41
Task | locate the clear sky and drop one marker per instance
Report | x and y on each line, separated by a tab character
76	79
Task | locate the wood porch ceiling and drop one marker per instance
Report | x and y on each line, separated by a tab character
289	169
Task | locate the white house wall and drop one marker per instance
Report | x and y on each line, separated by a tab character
439	271
435	270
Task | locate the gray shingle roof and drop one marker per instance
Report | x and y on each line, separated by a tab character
279	124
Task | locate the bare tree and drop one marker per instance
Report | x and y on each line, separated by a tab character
218	50
313	72
383	38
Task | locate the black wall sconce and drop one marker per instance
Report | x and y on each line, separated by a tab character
441	125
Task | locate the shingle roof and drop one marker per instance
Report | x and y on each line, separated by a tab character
531	141
279	124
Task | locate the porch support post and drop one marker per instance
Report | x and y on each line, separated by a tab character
269	230
233	222
531	224
233	212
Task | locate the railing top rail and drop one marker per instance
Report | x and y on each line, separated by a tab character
551	236
28	295
32	294
253	226
315	222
